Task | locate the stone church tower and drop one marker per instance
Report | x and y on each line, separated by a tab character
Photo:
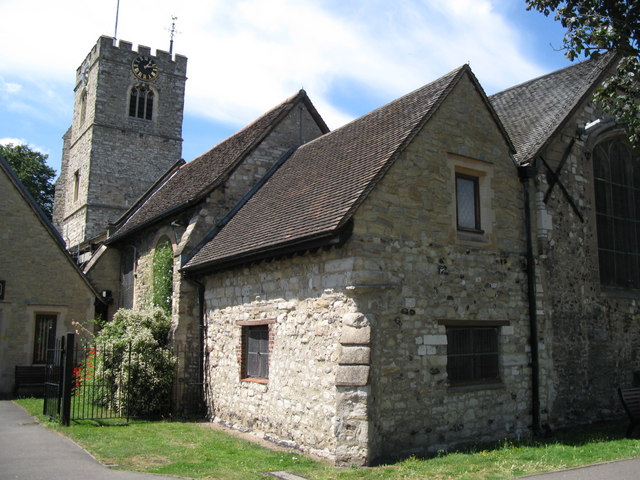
126	132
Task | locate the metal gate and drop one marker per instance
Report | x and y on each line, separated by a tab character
76	390
78	387
57	380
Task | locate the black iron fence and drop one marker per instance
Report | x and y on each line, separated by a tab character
97	382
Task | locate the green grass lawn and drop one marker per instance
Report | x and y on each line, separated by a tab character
187	449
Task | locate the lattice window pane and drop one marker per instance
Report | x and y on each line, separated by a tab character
256	342
467	202
45	335
617	198
472	354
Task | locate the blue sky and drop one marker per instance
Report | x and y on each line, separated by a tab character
246	56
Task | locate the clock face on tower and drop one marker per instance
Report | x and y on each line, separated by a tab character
144	68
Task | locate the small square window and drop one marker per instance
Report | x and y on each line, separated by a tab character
467	203
472	355
255	352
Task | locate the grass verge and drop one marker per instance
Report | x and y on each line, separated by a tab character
194	450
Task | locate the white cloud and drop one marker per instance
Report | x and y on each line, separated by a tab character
245	56
13	141
22	141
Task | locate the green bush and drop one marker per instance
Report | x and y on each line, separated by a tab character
137	362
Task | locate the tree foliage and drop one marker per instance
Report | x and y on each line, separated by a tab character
598	26
34	173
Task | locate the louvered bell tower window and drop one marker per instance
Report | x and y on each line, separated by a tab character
141	102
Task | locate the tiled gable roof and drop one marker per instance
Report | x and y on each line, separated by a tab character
534	111
194	180
315	192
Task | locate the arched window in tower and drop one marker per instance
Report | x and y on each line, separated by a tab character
141	102
83	106
616	171
76	185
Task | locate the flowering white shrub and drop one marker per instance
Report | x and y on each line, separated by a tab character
137	362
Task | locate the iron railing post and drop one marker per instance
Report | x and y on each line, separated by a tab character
67	384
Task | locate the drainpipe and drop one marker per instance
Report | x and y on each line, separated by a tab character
526	172
202	334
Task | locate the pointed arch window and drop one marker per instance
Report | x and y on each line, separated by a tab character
141	102
617	197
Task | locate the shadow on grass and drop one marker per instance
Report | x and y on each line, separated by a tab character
578	436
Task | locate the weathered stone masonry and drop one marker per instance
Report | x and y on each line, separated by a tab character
593	333
359	339
105	147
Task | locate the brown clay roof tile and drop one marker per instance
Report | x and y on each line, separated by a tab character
534	111
315	192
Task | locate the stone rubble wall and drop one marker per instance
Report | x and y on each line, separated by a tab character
380	371
414	272
593	333
198	221
300	406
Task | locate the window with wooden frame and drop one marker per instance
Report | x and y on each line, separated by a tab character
472	355
44	336
255	352
617	197
468	202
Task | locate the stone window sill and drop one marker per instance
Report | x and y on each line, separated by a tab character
262	381
471	236
619	292
474	387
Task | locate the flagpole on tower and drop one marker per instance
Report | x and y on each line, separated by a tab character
115	32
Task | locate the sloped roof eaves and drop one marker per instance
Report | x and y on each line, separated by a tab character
319	188
535	111
44	221
198	178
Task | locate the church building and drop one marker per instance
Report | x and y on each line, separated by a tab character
449	268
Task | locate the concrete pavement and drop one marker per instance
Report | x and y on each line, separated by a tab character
617	470
29	451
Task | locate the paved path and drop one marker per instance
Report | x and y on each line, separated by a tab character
29	451
617	470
